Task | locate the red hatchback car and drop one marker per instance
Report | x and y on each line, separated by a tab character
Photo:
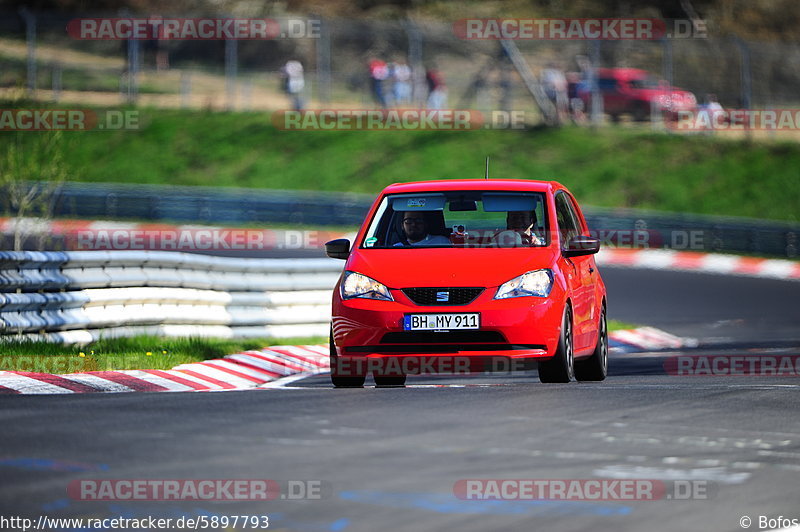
635	92
465	272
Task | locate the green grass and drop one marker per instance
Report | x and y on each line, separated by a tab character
616	325
128	353
612	166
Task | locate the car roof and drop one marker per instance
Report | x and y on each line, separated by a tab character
518	185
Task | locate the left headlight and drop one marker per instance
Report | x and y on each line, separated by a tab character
536	283
357	285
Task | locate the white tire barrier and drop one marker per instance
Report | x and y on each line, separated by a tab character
77	297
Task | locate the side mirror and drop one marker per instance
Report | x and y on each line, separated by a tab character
338	249
582	245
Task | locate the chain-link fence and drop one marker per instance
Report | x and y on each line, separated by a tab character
38	56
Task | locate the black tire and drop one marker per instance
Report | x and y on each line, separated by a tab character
386	380
343	381
642	113
348	382
560	368
595	368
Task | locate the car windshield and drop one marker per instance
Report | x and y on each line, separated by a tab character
644	83
459	219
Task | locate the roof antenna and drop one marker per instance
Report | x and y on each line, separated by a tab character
487	168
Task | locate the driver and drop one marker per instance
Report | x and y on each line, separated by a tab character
522	222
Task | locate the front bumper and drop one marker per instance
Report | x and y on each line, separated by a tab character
369	335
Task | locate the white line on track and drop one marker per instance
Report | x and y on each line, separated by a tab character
283	381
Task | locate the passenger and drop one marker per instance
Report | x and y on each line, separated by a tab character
415	227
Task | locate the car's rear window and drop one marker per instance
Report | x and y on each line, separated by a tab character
459	219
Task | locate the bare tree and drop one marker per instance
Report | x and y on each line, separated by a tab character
30	173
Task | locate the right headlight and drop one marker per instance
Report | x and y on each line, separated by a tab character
358	285
537	283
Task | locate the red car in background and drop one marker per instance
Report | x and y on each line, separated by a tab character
474	270
635	92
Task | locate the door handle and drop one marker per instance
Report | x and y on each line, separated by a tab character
591	270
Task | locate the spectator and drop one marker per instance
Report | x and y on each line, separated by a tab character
294	83
437	91
576	107
401	76
505	86
711	112
378	74
555	87
153	45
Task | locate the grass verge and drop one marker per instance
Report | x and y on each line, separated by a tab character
140	352
610	166
616	325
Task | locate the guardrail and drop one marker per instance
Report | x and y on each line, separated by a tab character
209	204
80	296
257	207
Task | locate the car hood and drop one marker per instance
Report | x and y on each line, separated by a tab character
404	268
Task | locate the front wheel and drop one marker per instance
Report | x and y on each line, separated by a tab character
560	368
386	380
595	368
343	381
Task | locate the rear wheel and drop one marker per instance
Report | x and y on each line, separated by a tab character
343	381
560	368
641	112
595	368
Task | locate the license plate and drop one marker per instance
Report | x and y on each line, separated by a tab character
441	322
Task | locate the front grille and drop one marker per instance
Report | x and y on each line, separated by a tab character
449	337
435	296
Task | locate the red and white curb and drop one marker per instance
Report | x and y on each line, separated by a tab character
274	367
668	259
234	372
647	339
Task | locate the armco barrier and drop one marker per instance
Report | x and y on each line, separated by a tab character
235	206
78	297
83	295
208	204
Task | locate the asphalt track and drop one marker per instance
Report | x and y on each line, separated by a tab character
388	458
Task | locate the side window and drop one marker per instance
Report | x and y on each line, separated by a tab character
573	209
567	222
607	84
